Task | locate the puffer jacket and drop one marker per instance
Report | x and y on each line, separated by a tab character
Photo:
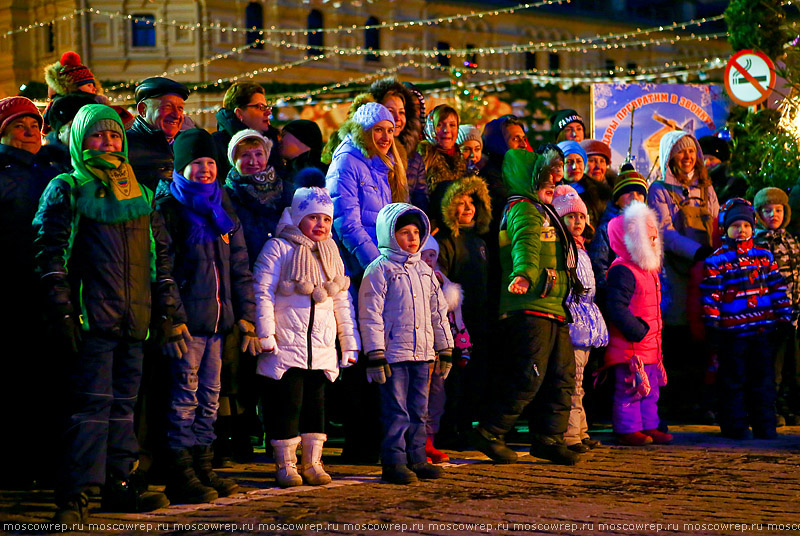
305	332
600	252
529	244
786	250
401	308
634	289
359	188
104	271
588	329
149	153
214	277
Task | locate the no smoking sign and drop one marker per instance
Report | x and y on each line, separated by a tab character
749	77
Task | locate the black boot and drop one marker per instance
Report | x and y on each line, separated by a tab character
553	448
183	486
203	454
72	511
124	495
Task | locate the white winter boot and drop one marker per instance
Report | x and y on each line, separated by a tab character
285	453
313	472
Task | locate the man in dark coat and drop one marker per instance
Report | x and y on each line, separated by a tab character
160	103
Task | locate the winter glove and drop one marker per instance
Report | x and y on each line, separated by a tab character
444	363
267	344
377	367
70	333
349	358
250	342
702	252
177	343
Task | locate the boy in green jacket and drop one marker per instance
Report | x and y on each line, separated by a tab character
538	259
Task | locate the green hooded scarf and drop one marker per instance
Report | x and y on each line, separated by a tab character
104	185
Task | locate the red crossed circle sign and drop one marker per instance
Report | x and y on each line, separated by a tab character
749	77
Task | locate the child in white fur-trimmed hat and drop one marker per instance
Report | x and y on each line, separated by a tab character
588	329
302	304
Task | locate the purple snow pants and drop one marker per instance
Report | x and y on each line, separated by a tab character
629	412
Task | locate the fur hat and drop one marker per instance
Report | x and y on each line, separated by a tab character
597	147
371	113
469	133
562	118
247	134
772	196
736	209
191	145
569	147
566	200
430	243
629	180
14	107
313	200
67	75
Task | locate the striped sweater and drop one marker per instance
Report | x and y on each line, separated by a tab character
743	290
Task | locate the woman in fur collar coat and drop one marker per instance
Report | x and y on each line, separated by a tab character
634	326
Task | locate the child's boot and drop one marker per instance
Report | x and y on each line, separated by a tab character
311	462
634	439
183	486
658	437
285	454
434	455
203	456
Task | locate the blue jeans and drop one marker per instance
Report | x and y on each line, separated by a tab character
99	440
404	410
194	393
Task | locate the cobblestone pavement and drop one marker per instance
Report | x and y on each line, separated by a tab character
702	484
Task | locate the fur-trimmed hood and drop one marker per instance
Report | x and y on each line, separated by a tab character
629	236
441	167
477	189
336	136
357	136
668	141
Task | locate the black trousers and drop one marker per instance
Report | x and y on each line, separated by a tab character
537	367
295	403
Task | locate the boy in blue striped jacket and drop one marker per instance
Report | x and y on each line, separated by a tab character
744	299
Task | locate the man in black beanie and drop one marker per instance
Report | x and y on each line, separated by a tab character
301	146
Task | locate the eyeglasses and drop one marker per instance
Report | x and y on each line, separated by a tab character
261	107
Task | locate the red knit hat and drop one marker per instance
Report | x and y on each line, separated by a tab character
67	75
597	147
14	107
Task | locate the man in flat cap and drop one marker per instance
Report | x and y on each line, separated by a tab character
159	102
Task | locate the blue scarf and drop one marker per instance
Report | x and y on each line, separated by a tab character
203	202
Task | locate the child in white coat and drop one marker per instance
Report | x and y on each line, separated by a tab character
302	302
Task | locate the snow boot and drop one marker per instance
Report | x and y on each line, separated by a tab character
434	455
311	462
285	453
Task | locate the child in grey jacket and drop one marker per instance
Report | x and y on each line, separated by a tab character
403	320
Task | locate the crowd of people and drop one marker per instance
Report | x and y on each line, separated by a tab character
197	289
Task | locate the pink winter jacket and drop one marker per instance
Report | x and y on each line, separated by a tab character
628	237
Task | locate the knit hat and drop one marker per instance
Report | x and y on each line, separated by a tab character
307	132
569	147
562	118
597	147
629	180
371	113
247	134
715	146
773	196
566	200
409	218
430	243
469	133
736	209
191	145
104	124
67	75
683	143
14	107
311	200
63	109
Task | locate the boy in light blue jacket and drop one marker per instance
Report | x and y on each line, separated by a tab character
403	320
